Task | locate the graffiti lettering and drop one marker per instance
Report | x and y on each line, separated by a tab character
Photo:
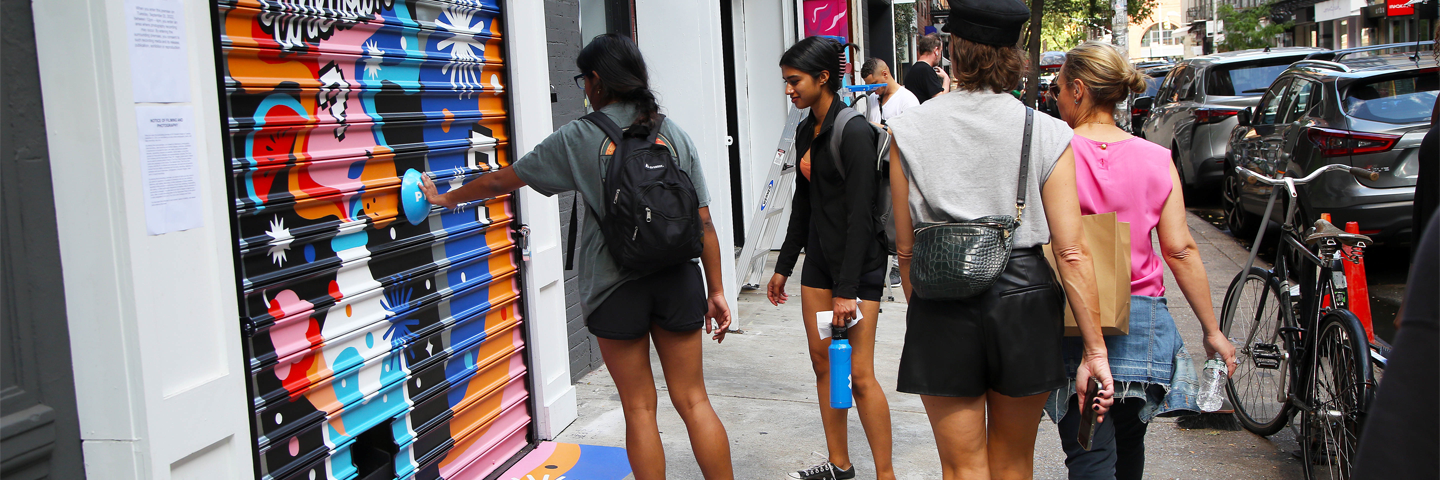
296	23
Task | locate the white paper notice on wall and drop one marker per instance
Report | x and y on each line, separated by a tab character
159	72
171	182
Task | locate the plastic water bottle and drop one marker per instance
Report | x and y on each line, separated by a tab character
1212	384
840	396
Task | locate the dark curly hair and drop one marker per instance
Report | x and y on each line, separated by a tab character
624	78
978	67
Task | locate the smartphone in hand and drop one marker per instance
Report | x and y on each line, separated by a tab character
1088	414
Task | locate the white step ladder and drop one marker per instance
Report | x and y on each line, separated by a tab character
774	200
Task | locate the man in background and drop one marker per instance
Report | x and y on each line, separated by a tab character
925	79
893	99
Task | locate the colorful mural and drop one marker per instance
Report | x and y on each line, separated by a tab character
356	320
555	461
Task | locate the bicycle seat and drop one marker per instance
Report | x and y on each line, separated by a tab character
1324	230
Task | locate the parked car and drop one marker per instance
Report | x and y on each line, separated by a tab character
1366	111
1141	103
1194	110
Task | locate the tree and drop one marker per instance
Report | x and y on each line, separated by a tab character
1069	22
904	32
1248	28
1037	12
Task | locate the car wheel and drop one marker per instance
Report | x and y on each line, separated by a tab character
1242	224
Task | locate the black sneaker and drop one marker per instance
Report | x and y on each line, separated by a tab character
895	277
824	471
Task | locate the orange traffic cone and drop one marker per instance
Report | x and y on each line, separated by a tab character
1359	290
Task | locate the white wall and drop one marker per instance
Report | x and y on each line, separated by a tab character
544	275
681	42
153	319
762	37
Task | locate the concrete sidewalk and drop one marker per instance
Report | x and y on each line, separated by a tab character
761	385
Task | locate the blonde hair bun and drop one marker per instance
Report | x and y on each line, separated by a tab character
1104	71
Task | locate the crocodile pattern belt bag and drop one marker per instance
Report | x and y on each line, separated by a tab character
958	260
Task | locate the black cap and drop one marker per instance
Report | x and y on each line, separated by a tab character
839	333
992	22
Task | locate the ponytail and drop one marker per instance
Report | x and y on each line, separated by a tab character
814	55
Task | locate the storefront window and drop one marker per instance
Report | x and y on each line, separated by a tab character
1160	34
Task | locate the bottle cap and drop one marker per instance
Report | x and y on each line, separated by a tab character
838	333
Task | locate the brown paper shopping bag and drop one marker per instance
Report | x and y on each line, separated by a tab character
1109	244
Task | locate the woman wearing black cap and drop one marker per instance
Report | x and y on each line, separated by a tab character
959	157
832	220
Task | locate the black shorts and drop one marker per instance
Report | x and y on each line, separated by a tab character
1006	339
815	273
672	298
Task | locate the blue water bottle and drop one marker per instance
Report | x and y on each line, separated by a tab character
840	396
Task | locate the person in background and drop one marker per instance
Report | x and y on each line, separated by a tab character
831	220
892	100
984	365
626	309
1117	172
925	79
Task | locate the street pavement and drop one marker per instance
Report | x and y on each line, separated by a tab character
761	385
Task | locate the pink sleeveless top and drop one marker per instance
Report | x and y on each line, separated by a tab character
1131	178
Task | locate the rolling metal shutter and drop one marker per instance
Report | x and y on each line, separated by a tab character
377	347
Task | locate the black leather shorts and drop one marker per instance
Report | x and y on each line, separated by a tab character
672	298
1006	339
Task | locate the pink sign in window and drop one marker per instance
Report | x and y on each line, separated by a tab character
826	17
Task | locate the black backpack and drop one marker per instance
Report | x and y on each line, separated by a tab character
651	214
884	213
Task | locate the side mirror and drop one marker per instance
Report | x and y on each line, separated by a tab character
1143	103
1243	117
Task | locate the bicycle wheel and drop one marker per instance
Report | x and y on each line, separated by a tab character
1255	309
1341	385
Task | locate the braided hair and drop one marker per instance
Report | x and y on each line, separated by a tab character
617	61
814	55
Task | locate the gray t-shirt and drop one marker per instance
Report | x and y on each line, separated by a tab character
574	158
961	154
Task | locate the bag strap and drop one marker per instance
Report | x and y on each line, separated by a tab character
1024	166
612	132
570	244
837	134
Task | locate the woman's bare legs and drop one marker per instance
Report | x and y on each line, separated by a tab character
959	425
1010	445
680	359
969	448
874	408
629	365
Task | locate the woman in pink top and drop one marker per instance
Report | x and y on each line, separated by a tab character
1116	172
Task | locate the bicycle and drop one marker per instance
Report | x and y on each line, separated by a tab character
1316	363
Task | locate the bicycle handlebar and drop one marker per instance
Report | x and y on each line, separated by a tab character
1253	177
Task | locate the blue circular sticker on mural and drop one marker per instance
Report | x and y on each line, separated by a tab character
412	199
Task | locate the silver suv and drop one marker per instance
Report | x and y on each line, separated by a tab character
1195	109
1368	111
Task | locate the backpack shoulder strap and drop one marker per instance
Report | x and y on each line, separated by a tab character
837	135
600	119
655	132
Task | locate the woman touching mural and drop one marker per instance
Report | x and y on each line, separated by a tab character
626	308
